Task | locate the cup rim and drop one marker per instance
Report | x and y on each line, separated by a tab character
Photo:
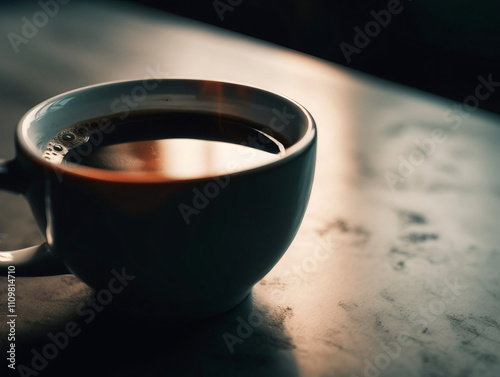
81	171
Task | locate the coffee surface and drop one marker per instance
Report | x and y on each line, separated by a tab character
177	145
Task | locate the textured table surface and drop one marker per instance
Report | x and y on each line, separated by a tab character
395	269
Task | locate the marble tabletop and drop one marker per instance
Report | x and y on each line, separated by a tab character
394	271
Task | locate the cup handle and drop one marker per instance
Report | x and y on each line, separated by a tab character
31	261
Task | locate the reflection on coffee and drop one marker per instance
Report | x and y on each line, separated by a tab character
176	145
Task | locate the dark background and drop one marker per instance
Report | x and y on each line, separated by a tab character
439	46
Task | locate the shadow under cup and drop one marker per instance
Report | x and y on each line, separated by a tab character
125	233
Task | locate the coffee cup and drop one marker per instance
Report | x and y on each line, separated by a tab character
158	245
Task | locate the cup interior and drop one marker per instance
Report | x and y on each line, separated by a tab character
271	115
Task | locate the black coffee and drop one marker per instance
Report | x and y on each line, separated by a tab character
178	145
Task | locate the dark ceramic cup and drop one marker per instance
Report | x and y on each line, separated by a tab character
123	234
